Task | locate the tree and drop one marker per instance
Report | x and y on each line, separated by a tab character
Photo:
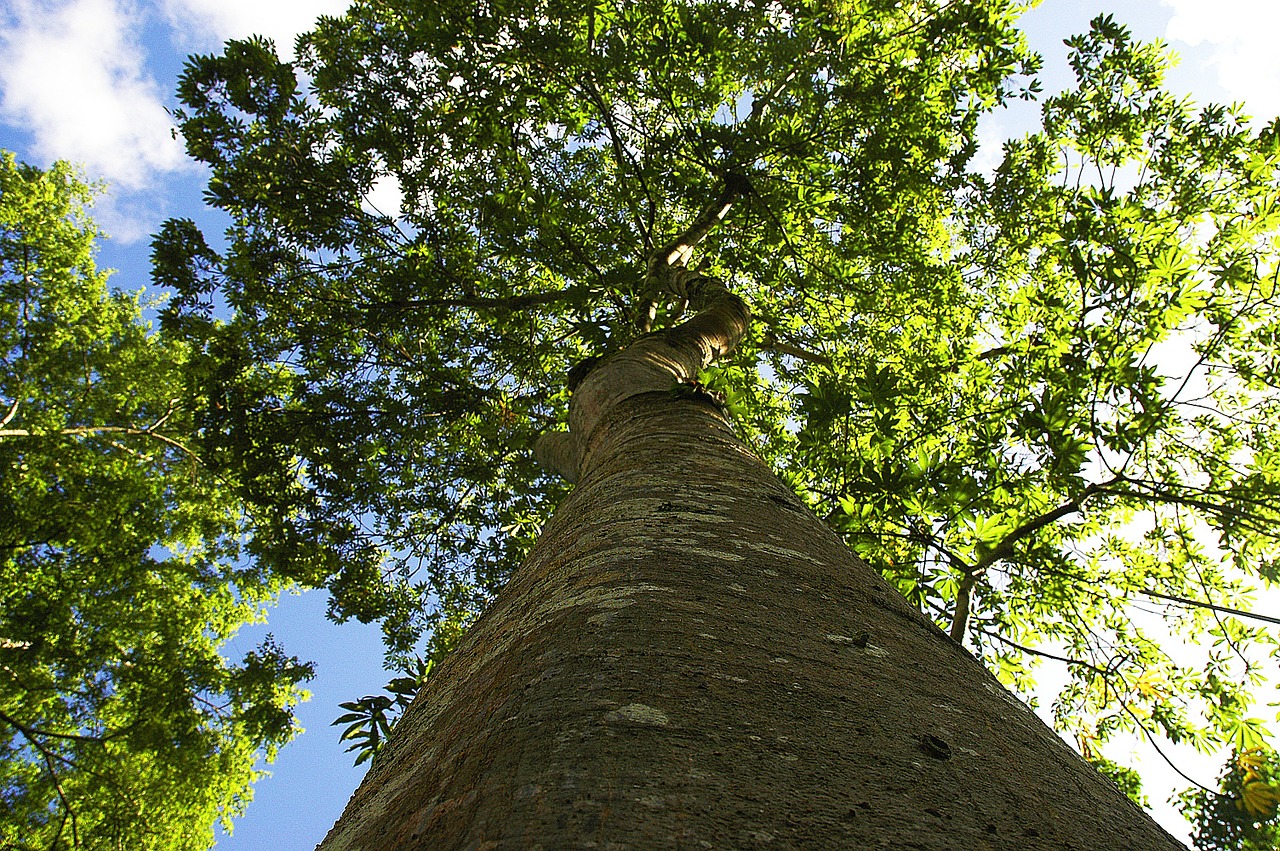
121	725
689	658
1029	399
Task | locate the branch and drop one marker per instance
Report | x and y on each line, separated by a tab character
1151	739
771	343
678	251
1004	549
30	732
668	270
1102	672
1256	522
173	406
760	104
1203	605
558	453
48	756
606	115
513	303
964	596
88	431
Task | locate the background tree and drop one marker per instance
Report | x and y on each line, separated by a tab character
1033	400
1243	814
121	725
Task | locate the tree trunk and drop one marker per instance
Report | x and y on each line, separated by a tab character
691	659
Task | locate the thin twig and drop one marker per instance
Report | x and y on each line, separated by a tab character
1203	605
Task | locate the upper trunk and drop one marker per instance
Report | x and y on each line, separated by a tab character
689	658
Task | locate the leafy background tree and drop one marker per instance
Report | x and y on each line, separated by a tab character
972	377
121	724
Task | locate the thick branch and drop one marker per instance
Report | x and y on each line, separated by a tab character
964	599
656	362
557	451
964	595
771	343
668	270
1004	549
680	250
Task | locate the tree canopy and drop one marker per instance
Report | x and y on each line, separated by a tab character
121	724
542	155
1040	400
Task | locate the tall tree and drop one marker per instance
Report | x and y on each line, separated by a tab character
121	725
1030	399
689	658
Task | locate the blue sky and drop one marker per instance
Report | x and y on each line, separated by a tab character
90	81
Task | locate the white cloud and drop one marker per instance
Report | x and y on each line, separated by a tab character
77	79
1239	36
384	197
207	23
72	74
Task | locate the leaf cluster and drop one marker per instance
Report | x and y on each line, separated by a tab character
540	154
1080	438
1242	815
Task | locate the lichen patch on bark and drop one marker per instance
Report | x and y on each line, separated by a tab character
638	713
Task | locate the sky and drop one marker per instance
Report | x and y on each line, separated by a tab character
92	82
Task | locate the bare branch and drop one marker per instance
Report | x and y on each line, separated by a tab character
770	343
1200	604
91	431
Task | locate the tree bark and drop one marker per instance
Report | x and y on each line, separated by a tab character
691	659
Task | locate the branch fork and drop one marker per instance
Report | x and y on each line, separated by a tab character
656	361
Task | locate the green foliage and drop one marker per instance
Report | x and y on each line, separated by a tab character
541	153
1041	401
1125	778
1242	816
369	720
121	725
1086	425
